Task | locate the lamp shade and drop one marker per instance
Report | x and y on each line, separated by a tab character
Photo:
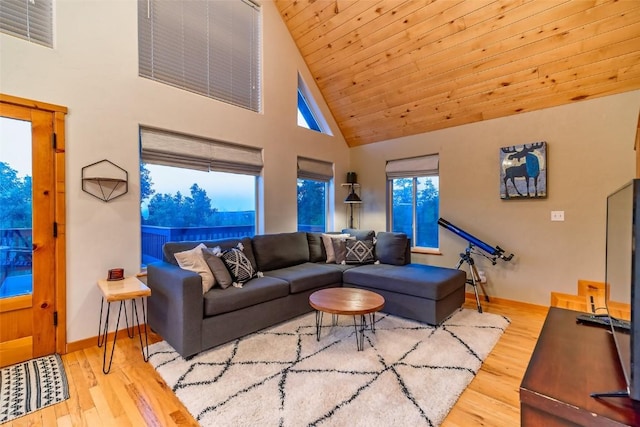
352	198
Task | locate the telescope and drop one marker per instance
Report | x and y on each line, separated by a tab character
494	253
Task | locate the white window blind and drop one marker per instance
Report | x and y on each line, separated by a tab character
208	47
175	149
31	20
314	169
413	166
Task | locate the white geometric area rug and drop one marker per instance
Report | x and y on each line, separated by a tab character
28	386
409	373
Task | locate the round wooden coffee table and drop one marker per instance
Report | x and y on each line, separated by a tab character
347	301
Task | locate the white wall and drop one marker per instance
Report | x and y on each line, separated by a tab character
590	154
93	70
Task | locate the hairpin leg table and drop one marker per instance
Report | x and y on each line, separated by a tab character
127	289
347	301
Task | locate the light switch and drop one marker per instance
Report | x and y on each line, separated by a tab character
557	215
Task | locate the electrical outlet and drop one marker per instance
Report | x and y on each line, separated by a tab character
557	215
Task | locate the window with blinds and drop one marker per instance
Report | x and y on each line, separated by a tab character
30	20
414	199
313	186
314	169
168	148
208	47
194	188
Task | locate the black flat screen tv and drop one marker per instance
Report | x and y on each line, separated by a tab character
622	275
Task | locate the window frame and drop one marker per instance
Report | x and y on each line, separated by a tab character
307	114
174	149
317	171
413	168
309	111
326	205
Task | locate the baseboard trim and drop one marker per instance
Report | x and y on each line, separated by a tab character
93	341
471	297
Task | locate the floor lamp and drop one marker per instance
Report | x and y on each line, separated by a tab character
352	199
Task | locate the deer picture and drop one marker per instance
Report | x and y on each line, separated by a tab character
521	164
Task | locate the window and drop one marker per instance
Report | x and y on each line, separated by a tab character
309	115
31	20
414	199
194	189
314	177
207	47
305	116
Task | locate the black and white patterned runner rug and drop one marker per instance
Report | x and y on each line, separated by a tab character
31	385
409	373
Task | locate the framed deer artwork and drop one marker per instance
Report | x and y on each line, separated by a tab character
523	171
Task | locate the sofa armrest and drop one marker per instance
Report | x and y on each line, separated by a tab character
175	307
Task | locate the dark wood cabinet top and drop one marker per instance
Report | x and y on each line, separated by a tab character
571	361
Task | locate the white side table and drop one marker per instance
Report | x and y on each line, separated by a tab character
128	288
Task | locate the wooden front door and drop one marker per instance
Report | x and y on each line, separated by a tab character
31	253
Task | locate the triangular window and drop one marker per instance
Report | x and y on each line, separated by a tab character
309	115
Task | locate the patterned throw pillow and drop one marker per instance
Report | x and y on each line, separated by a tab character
359	251
239	266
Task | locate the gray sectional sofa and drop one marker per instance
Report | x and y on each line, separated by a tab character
292	266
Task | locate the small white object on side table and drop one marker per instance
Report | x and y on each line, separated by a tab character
123	290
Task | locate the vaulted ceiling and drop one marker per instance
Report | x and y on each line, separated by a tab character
393	68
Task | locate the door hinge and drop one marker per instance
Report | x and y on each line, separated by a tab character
54	141
55	229
55	318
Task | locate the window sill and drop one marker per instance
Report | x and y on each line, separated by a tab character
427	251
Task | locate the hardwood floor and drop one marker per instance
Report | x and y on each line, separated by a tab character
492	398
134	395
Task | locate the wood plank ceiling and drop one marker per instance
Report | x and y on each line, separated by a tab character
393	68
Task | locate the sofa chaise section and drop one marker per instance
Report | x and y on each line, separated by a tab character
420	292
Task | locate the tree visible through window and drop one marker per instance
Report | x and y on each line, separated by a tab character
15	198
415	209
414	198
312	205
314	177
184	204
16	207
195	188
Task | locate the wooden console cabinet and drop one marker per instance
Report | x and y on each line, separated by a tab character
571	361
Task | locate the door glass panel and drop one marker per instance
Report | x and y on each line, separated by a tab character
16	274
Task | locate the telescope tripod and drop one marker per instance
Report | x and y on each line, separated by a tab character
474	281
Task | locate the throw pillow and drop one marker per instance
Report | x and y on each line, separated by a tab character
212	257
391	248
239	266
359	251
317	253
340	249
193	260
328	245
